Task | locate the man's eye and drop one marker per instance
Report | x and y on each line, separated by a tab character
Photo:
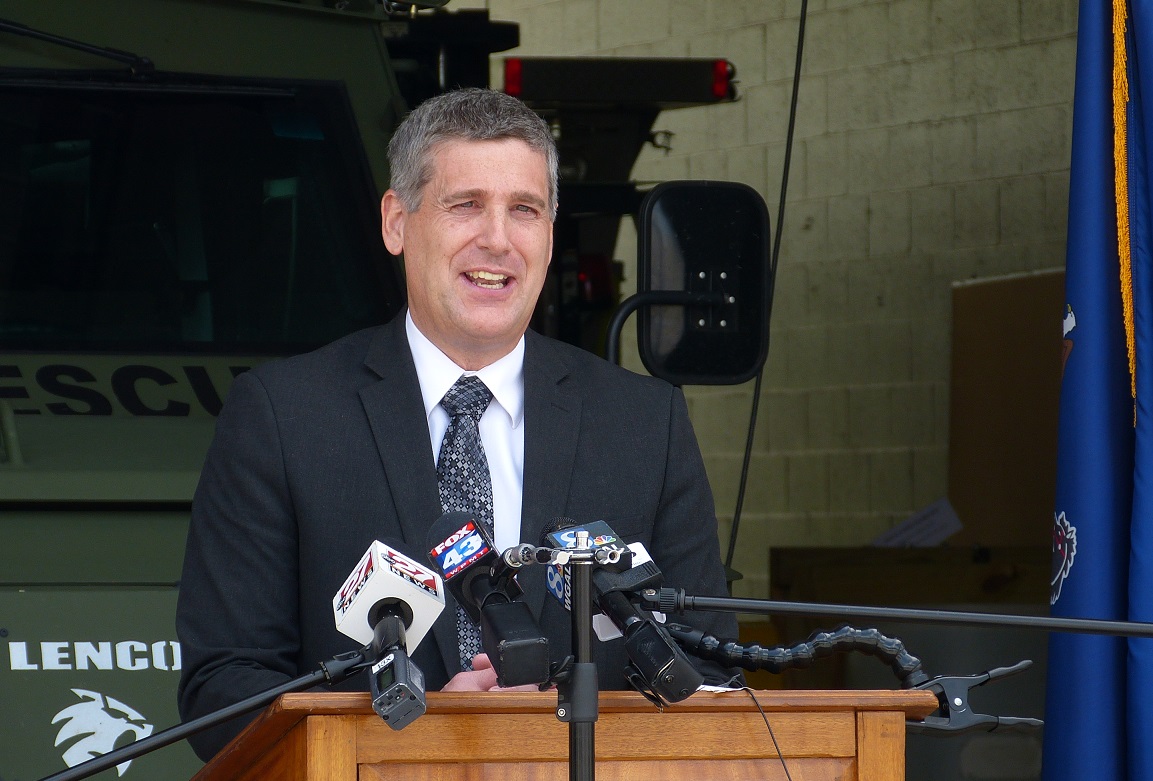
523	209
466	205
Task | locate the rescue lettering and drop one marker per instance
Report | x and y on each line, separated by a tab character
136	389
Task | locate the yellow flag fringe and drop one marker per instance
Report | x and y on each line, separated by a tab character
1121	180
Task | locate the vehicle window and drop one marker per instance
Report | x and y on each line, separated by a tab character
178	219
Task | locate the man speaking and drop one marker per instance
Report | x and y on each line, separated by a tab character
454	406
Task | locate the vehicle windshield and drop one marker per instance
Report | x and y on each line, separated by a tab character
185	218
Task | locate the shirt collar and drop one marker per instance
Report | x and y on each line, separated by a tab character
437	373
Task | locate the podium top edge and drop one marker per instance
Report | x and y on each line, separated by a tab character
915	704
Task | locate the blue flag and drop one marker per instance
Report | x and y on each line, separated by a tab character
1099	714
1139	115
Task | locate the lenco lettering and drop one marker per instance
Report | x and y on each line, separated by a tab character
131	655
136	389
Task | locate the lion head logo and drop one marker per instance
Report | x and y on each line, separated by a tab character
1064	549
99	722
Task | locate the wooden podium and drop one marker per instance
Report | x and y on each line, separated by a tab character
501	735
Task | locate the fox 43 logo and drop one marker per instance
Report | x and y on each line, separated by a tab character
462	548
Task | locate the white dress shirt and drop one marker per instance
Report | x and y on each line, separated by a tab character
501	426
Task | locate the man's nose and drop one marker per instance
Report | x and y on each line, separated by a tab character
494	232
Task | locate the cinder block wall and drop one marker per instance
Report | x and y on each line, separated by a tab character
932	144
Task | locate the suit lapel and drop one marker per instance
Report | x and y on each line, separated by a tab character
396	416
552	422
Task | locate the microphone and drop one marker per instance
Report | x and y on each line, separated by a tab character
482	582
658	663
390	602
561	533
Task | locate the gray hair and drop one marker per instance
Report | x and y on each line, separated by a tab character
471	114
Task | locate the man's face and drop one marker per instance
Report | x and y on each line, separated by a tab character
477	249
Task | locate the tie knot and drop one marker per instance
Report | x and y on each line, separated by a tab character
468	396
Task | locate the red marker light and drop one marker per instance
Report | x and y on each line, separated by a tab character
722	73
513	68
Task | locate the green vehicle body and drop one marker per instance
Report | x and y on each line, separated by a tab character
104	433
159	234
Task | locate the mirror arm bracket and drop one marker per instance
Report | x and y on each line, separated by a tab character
651	298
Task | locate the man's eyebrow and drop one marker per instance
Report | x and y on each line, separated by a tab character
520	196
531	199
464	195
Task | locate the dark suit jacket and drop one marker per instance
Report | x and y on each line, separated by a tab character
317	456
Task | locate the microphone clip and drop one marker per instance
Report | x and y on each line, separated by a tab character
637	681
955	715
523	555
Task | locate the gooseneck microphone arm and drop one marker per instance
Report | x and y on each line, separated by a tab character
820	644
333	671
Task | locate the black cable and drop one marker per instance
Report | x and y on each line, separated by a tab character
772	283
744	471
769	727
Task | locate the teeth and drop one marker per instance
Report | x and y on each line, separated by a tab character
487	278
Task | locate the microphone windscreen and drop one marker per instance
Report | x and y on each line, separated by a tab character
552	527
446	525
385	577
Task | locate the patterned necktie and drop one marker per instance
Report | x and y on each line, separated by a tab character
464	480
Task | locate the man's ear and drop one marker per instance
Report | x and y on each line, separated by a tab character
551	238
392	216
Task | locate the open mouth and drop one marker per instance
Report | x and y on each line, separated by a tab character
487	279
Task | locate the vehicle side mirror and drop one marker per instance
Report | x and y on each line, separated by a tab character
704	245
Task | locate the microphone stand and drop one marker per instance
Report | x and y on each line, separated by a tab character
577	688
676	601
578	695
335	670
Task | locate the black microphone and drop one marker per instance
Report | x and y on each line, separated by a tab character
461	548
561	533
660	665
387	600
